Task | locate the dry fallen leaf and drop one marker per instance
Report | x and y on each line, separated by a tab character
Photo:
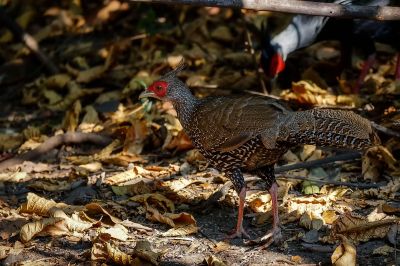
376	159
260	201
96	72
310	222
178	184
90	121
182	230
129	175
135	137
29	230
14	177
345	254
118	232
57	81
358	228
104	251
296	259
183	222
95	212
329	216
221	246
4	251
136	187
37	205
71	118
214	261
58	224
155	199
307	92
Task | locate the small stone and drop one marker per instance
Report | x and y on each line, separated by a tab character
185	168
311	236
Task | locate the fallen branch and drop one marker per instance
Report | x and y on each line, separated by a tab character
52	143
316	163
27	40
297	7
386	130
329	182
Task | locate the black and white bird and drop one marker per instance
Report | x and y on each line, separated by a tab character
305	30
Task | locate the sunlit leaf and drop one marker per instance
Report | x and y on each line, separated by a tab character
345	254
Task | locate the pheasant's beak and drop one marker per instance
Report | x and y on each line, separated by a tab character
146	94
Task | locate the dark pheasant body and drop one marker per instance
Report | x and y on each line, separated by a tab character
250	133
253	132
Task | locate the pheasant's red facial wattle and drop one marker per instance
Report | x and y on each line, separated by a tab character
159	88
277	65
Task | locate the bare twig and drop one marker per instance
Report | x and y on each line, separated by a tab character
315	163
27	40
329	182
255	62
385	130
298	7
53	142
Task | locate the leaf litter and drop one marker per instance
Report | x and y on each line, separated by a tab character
149	179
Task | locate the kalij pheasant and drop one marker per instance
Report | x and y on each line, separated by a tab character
304	30
250	133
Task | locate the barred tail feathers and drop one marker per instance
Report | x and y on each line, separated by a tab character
330	127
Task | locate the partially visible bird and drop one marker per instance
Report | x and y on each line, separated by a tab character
250	133
304	30
366	33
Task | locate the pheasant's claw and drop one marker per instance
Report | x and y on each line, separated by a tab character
272	236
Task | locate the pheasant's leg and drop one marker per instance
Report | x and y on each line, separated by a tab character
274	235
397	71
239	230
238	181
364	71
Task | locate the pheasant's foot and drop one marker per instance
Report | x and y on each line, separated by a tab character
272	236
238	233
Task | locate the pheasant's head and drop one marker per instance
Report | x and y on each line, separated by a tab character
272	58
168	87
272	62
158	89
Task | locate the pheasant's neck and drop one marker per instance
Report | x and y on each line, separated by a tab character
185	108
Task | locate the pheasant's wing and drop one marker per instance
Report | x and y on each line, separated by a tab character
228	122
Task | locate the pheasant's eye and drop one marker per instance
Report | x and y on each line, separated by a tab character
159	88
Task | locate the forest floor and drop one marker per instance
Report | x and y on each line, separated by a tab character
89	174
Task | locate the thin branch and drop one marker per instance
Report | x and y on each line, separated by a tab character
315	163
53	142
297	7
336	183
385	130
255	62
27	40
